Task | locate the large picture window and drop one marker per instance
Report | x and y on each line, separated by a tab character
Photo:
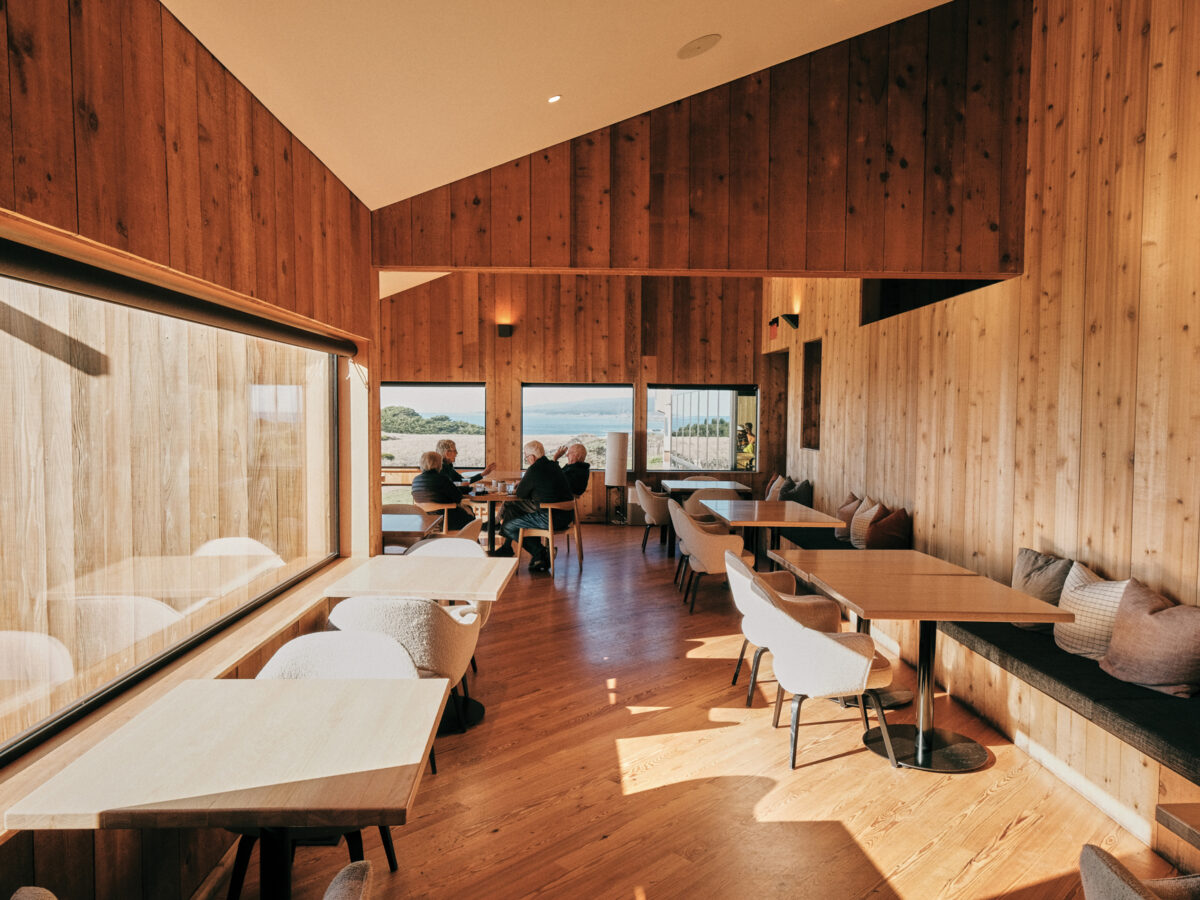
157	476
556	414
414	417
701	428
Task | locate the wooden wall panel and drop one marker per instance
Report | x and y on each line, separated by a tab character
804	167
612	329
510	212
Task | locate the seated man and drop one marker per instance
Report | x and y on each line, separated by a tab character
449	451
576	470
543	482
431	486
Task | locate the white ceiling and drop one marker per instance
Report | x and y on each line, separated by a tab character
397	97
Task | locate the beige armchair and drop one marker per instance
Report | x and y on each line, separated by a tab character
812	610
813	664
1105	878
654	506
352	883
705	552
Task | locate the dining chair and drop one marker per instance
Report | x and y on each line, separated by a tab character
440	641
235	546
702	478
812	610
329	654
354	882
32	659
550	531
692	505
811	664
705	551
654	506
33	893
103	625
1105	878
577	531
470	531
460	547
443	508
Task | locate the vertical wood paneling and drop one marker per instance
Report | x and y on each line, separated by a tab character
827	141
302	223
471	219
591	182
285	218
749	167
708	147
6	123
630	229
984	135
788	188
213	134
392	233
944	150
866	185
184	204
904	199
262	201
669	218
239	174
550	206
510	213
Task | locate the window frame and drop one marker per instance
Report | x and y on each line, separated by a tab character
738	390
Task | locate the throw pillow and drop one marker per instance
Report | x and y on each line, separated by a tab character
846	513
1094	602
1039	575
801	493
890	532
867	513
1155	642
785	485
774	488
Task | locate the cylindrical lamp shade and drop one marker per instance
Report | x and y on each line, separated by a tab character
618	456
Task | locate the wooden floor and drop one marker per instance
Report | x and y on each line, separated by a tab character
616	760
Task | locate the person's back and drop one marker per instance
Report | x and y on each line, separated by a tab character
431	486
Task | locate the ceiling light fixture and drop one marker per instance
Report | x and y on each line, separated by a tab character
694	48
555	98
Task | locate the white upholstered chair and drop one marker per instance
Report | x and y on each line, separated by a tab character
1105	878
675	511
470	531
705	551
654	506
812	664
33	659
352	883
235	546
811	610
330	654
104	625
440	641
699	513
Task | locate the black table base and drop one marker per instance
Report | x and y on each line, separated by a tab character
946	751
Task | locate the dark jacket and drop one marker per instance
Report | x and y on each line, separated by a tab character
453	474
434	487
577	476
543	482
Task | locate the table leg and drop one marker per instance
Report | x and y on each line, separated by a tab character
670	539
275	864
922	746
491	526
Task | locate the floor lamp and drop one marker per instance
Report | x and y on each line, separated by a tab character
614	477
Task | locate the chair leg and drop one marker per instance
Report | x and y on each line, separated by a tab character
550	551
754	674
354	845
883	728
466	692
645	537
778	705
738	668
862	708
385	835
797	700
689	576
679	569
695	591
432	761
662	535
458	711
474	668
241	864
579	545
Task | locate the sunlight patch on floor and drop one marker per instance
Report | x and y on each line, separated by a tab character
724	646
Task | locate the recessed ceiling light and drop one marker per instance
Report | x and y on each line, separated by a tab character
699	45
555	98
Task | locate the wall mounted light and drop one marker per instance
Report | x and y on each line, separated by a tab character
792	319
504	330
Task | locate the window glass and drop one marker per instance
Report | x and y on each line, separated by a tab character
415	417
557	414
157	476
701	428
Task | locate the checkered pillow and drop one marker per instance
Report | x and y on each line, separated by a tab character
1094	603
868	511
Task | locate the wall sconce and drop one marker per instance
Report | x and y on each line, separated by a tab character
792	319
503	330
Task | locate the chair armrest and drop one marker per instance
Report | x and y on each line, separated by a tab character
782	581
813	611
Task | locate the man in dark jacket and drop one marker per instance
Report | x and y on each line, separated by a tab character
543	482
431	486
449	451
576	470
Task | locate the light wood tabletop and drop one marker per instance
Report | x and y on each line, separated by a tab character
470	579
882	563
936	598
244	753
682	486
769	514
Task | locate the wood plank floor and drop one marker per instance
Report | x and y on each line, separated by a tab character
616	760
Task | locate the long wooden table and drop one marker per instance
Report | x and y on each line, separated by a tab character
469	579
407	528
884	593
754	514
242	753
682	488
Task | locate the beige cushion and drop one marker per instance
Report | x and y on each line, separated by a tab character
867	512
881	672
774	488
1094	602
1040	575
1155	642
846	512
352	883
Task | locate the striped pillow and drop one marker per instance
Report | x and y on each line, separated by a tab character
867	513
1094	603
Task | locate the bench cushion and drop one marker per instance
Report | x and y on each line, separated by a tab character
1164	728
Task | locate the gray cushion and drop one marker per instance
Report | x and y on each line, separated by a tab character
801	493
1040	575
1104	878
1155	642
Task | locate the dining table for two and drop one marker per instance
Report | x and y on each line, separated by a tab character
913	586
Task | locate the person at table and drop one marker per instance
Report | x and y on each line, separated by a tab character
577	469
431	486
543	482
449	452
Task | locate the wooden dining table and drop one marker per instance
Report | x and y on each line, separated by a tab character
752	515
274	755
466	579
403	529
681	488
882	592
